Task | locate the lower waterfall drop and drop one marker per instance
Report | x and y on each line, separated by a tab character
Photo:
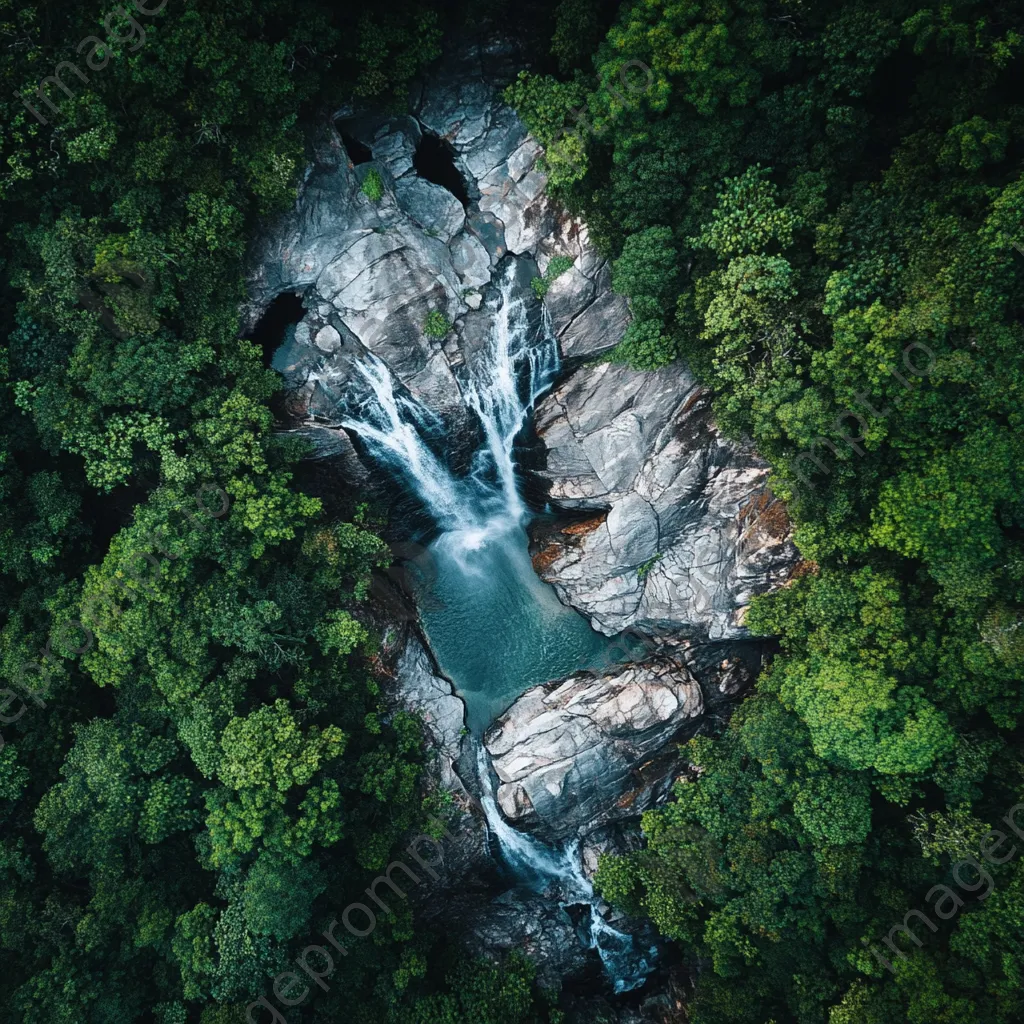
541	867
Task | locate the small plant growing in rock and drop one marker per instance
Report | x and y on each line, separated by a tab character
557	266
644	569
373	186
437	325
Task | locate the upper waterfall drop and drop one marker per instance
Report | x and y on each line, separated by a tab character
504	387
395	427
510	373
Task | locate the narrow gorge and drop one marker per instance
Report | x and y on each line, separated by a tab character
580	542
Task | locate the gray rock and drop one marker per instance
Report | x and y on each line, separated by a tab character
376	270
588	317
567	296
573	754
686	532
327	339
471	260
328	443
432	207
430	695
489	231
616	838
534	925
597	328
394	143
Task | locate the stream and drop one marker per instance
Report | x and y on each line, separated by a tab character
495	628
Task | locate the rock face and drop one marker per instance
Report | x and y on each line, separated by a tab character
430	695
535	925
685	532
576	754
371	272
616	838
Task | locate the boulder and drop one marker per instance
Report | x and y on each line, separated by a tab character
471	260
328	339
434	208
574	754
536	925
686	531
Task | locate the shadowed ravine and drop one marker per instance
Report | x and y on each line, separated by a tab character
495	628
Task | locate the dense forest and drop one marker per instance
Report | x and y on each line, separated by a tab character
816	205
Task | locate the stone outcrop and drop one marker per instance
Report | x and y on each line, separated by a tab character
428	694
371	272
575	754
535	925
685	531
617	838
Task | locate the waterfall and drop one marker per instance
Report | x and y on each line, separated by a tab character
542	868
395	427
480	518
496	386
504	382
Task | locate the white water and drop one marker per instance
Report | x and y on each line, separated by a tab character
494	390
502	389
394	427
481	561
543	868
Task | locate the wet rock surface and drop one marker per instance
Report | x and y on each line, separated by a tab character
685	531
576	754
537	926
424	691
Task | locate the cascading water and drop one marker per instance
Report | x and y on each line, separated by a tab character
394	427
501	389
495	628
542	868
494	389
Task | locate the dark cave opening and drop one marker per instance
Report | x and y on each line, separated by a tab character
358	152
435	160
285	310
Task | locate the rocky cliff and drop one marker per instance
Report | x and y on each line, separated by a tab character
371	271
668	530
682	533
